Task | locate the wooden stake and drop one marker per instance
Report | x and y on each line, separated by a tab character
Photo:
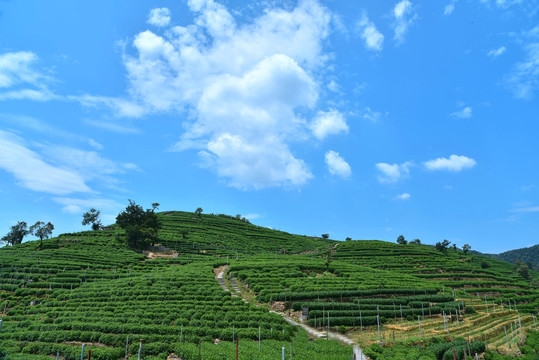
126	347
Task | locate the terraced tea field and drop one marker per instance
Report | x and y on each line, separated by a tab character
458	273
88	288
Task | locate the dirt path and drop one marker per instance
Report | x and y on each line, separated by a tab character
219	272
358	352
343	339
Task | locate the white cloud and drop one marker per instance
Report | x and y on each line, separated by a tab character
95	144
454	163
20	80
496	52
77	205
464	113
328	123
56	169
403	196
90	165
337	165
111	126
371	115
523	79
159	17
502	3
391	173
528	209
449	8
34	173
121	107
334	87
403	18
250	165
252	216
373	38
241	84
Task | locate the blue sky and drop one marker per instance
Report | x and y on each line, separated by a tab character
367	119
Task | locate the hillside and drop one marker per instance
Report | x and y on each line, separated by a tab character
89	288
525	255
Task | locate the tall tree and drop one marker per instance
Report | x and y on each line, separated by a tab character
141	226
16	233
466	248
42	231
92	217
199	211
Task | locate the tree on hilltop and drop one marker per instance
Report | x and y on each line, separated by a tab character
141	226
92	217
325	236
401	240
415	241
16	233
466	248
199	211
42	231
442	246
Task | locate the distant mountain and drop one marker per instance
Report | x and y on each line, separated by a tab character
530	254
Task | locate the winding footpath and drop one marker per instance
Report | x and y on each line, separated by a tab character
358	352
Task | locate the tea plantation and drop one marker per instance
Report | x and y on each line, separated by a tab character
86	294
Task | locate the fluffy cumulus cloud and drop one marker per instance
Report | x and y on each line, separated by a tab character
328	123
454	163
373	38
19	79
403	17
35	173
337	165
243	86
159	17
391	173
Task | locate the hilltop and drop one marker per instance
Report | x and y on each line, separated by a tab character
89	287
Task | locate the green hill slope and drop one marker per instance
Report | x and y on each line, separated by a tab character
226	235
88	287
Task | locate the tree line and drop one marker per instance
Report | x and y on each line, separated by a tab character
441	246
18	231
